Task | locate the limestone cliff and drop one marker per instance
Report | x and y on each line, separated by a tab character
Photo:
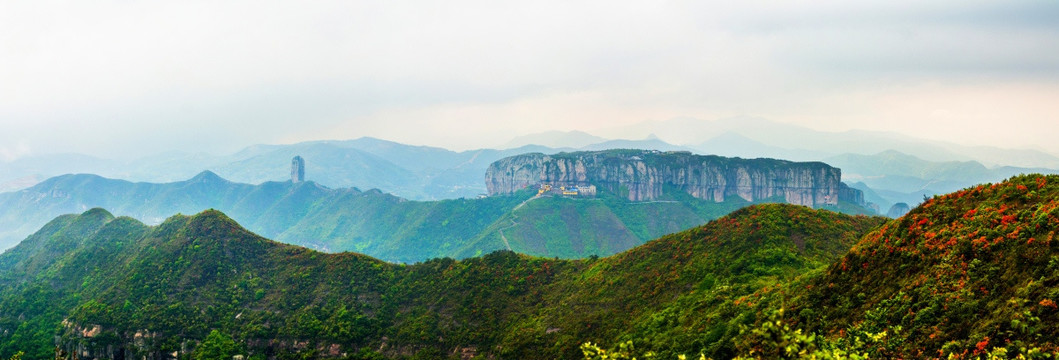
641	175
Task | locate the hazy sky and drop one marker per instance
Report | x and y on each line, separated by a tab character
130	77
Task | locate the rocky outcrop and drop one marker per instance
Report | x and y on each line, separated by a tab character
640	175
846	193
92	341
297	169
898	210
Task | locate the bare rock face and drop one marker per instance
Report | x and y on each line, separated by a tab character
846	193
898	210
297	169
641	175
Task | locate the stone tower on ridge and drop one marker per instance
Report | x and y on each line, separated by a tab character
297	169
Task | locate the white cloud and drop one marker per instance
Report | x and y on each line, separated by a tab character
14	152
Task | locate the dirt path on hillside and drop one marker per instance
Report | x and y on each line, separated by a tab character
514	221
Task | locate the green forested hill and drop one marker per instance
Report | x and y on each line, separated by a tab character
965	273
972	274
112	287
371	222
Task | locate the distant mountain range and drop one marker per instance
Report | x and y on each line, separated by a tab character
757	137
556	139
424	173
898	177
413	172
898	168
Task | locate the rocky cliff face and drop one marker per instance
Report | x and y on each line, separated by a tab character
846	193
644	175
898	210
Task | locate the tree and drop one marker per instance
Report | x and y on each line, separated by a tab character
216	346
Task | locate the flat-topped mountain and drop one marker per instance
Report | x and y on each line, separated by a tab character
643	175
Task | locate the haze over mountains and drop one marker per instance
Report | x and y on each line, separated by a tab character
413	172
898	168
760	137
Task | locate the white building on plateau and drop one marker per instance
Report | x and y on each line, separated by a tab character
572	190
297	169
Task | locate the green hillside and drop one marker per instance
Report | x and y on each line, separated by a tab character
371	222
576	228
961	274
113	287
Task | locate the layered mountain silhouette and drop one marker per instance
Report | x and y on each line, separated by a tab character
430	173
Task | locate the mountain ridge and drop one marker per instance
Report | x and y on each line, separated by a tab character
901	177
203	264
372	222
426	173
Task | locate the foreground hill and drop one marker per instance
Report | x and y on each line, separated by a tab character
116	288
371	222
965	275
961	274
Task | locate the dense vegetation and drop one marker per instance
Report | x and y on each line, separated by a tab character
962	274
203	284
971	274
371	222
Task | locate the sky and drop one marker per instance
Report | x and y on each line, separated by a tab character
123	78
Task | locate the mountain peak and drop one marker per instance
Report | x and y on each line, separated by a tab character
97	212
212	220
207	176
555	139
891	153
